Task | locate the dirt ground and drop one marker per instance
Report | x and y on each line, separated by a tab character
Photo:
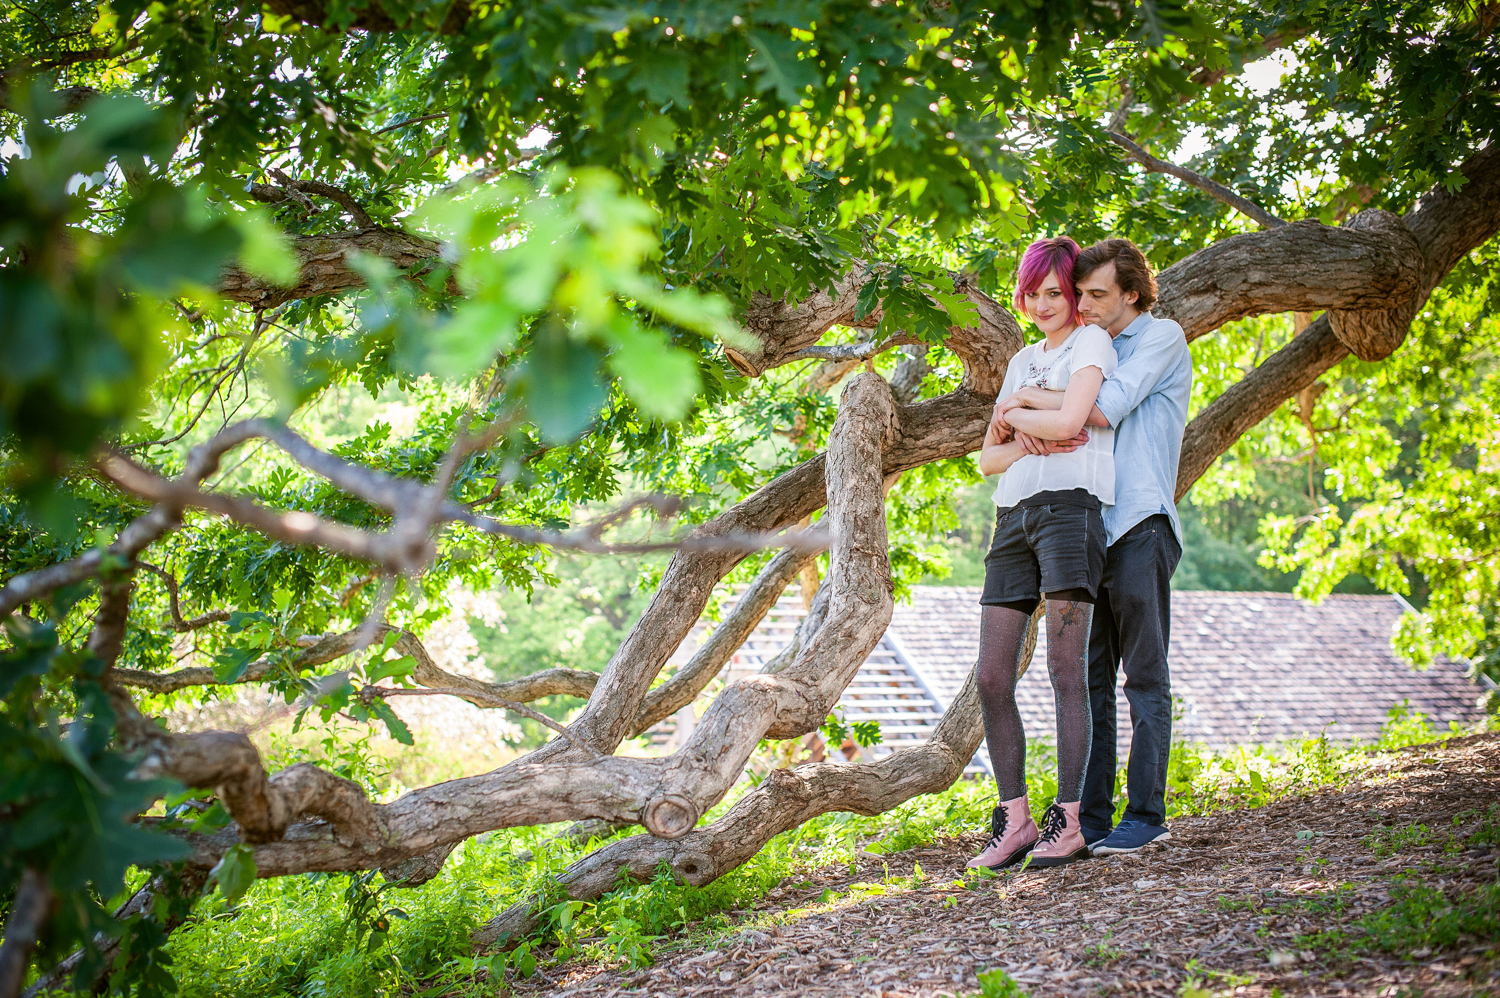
1212	912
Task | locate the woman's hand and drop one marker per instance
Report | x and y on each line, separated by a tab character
1031	398
1063	423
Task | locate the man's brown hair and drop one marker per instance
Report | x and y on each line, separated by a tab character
1132	272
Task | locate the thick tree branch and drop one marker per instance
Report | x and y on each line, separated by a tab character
325	266
785	799
1302	267
752	606
1444	228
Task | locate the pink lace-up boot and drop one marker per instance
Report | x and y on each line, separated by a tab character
1012	834
1061	841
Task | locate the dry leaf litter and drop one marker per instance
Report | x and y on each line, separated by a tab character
1187	917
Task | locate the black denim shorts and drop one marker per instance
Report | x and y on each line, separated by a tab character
1043	549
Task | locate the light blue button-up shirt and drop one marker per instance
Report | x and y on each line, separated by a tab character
1146	402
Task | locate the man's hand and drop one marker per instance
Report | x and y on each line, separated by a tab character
1000	431
1041	448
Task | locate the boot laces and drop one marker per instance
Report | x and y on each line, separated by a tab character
997	822
1054	823
997	825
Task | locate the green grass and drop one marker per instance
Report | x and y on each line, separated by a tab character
1201	781
1387	840
1419	920
1421	917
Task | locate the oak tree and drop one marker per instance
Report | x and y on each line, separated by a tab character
615	250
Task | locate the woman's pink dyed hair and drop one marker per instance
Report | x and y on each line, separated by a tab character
1040	259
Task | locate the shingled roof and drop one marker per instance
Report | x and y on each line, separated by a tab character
1246	668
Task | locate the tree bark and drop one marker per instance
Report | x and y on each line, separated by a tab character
326	267
1302	267
29	911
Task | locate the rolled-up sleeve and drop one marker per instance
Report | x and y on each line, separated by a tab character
1162	343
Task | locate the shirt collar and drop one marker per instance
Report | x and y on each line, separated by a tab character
1136	325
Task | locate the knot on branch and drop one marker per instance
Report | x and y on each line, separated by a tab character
695	867
418	870
1374	334
670	816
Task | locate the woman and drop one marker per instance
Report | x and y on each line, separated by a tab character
1049	540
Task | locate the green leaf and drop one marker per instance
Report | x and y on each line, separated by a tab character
523	960
835	731
231	663
266	251
659	378
235	872
397	668
33	655
663	78
560	380
393	724
998	984
478	332
961	311
780	68
239	619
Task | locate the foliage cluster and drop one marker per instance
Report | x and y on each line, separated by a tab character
1200	780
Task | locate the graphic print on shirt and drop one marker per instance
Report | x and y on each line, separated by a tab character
1039	368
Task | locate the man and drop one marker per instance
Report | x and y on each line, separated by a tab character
1145	401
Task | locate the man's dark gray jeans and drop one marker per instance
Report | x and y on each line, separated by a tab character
1132	627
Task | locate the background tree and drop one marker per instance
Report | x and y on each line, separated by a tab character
601	249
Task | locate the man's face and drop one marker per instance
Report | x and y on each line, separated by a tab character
1101	301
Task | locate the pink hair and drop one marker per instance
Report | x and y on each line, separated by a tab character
1042	258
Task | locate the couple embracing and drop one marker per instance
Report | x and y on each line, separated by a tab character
1085	437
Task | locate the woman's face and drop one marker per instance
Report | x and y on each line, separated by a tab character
1047	307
